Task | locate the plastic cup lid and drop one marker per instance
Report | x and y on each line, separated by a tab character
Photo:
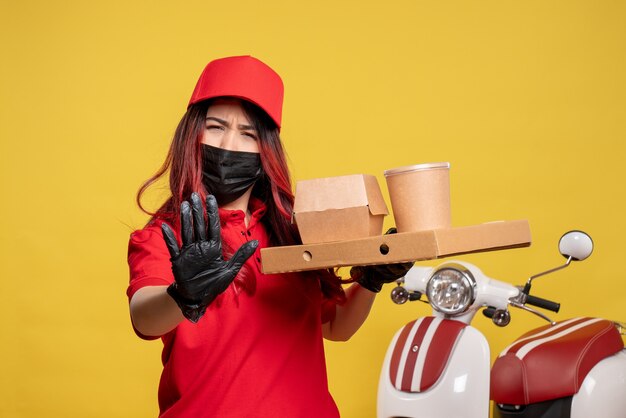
418	167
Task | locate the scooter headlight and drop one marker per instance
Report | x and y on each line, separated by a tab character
451	289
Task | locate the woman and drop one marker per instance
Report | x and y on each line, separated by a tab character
237	342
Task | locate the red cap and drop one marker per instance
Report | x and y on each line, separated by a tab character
244	77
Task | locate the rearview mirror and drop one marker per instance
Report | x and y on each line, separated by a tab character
576	245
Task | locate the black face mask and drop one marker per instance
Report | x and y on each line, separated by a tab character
228	174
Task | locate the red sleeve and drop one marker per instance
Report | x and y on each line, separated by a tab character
148	260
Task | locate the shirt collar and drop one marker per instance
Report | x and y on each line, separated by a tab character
256	207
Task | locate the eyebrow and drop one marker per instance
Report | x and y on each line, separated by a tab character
225	123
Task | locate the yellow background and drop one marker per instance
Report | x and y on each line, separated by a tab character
526	99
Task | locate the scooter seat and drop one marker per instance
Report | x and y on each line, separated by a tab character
552	361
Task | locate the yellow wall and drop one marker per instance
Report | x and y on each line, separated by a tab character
526	99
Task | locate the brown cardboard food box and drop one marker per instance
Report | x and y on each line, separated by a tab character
339	208
340	222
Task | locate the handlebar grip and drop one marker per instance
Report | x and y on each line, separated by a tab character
489	312
543	303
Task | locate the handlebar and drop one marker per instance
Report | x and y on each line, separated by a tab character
493	296
543	303
490	311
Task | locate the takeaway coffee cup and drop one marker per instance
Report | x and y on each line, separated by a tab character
420	196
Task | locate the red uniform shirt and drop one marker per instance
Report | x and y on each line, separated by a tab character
258	350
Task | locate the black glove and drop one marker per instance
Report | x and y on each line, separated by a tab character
200	271
373	277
